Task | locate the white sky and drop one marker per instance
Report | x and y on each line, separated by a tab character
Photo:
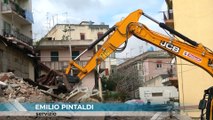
47	13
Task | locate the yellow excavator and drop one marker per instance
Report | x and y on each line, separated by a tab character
120	33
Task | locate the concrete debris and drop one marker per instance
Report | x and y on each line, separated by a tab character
3	78
83	94
51	94
91	100
21	99
2	84
52	78
55	78
77	93
26	90
15	88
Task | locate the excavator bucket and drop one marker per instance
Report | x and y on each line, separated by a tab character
54	77
72	79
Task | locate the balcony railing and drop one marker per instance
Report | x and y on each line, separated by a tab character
19	36
11	6
83	63
66	42
61	65
170	81
56	65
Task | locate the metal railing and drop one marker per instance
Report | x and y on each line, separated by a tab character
19	36
10	5
61	65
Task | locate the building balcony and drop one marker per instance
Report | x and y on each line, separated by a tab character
61	65
83	63
44	44
65	42
13	11
170	81
58	65
18	37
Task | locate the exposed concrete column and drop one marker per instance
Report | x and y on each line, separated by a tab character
70	49
98	75
99	81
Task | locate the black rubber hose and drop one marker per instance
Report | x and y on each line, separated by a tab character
162	25
101	38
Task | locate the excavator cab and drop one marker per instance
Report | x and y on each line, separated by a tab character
206	105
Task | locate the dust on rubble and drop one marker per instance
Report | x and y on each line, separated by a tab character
15	88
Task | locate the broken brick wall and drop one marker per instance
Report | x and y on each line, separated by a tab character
13	59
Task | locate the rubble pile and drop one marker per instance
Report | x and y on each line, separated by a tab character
26	90
15	88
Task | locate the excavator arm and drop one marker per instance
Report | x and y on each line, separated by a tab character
117	36
123	30
194	53
188	49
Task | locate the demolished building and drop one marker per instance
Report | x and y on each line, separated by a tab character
16	48
13	88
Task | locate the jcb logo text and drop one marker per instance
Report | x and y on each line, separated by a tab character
170	46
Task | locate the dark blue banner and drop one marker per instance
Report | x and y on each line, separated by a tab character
59	106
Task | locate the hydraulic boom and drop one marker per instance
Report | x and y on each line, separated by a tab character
189	50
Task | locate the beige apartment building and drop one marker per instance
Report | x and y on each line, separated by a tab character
16	37
193	18
66	41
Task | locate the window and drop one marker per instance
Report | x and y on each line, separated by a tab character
6	1
157	94
159	64
75	54
139	66
7	28
82	36
100	34
135	66
54	56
